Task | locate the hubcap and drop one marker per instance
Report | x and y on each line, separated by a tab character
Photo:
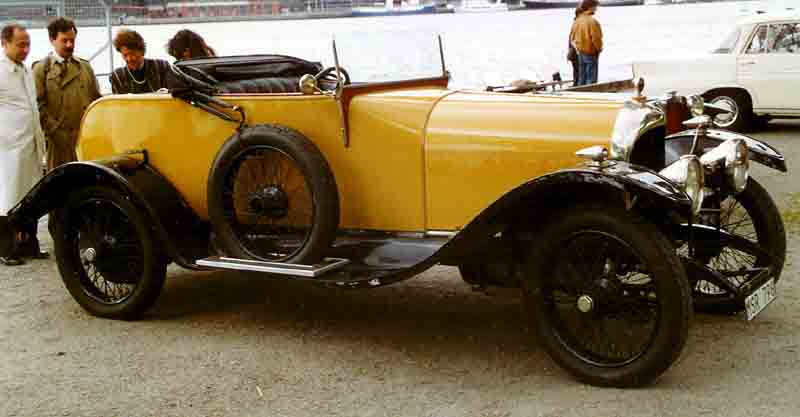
89	255
270	201
585	304
726	120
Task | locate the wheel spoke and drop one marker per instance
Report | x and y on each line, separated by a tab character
267	231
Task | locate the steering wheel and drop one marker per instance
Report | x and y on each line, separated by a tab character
328	76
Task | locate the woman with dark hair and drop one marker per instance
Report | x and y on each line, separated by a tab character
140	74
187	44
587	37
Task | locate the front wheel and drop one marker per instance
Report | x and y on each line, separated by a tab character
609	296
752	216
107	255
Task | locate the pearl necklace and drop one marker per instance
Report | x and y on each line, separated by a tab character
134	78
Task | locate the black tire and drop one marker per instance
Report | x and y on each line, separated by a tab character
739	102
272	197
473	272
751	214
649	314
107	255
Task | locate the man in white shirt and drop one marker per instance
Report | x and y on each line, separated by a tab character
22	145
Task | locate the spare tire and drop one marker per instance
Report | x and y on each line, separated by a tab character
272	197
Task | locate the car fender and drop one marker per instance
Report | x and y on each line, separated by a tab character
688	75
536	199
679	144
173	222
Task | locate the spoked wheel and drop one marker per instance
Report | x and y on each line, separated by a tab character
268	203
107	256
272	197
751	216
609	297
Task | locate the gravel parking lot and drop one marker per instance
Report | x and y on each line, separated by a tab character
226	344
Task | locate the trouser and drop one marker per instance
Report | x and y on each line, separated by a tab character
587	68
61	147
575	71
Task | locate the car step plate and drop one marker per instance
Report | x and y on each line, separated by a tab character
280	268
760	299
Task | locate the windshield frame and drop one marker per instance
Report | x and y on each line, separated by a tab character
728	45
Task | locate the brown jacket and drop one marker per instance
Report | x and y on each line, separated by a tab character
586	35
64	91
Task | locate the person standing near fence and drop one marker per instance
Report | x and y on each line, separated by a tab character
139	75
22	145
65	86
587	38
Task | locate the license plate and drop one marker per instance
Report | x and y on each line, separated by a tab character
759	299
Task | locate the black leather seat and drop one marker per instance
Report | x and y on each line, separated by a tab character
274	85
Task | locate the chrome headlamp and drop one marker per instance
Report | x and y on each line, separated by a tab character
696	105
733	156
687	173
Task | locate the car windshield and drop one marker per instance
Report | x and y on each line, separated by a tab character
726	47
412	55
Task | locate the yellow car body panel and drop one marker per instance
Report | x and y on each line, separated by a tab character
380	176
482	145
417	160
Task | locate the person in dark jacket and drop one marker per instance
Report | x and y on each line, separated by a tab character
187	44
572	54
139	75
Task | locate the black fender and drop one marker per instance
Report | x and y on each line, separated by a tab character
529	205
175	225
679	144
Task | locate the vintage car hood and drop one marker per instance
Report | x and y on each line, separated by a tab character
687	75
493	142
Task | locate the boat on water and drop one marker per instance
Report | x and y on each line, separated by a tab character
481	6
552	4
402	9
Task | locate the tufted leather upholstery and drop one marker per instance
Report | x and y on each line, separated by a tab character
274	85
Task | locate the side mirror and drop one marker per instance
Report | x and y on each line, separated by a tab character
308	84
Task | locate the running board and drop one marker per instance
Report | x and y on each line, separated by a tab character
280	268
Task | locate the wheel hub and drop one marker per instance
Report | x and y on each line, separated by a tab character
726	120
585	304
89	255
270	201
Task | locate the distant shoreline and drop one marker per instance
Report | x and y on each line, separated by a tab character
333	14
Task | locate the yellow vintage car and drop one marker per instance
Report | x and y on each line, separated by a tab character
609	216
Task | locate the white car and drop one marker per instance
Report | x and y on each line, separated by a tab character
755	72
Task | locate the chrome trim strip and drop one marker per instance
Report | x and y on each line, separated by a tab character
440	233
309	271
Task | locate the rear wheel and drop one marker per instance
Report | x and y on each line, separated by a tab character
107	255
609	296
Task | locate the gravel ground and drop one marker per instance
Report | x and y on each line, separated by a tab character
224	344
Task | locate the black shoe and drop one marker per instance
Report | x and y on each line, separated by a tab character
11	260
30	249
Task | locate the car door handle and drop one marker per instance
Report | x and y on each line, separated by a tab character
747	63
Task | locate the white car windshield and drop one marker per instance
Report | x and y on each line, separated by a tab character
726	47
